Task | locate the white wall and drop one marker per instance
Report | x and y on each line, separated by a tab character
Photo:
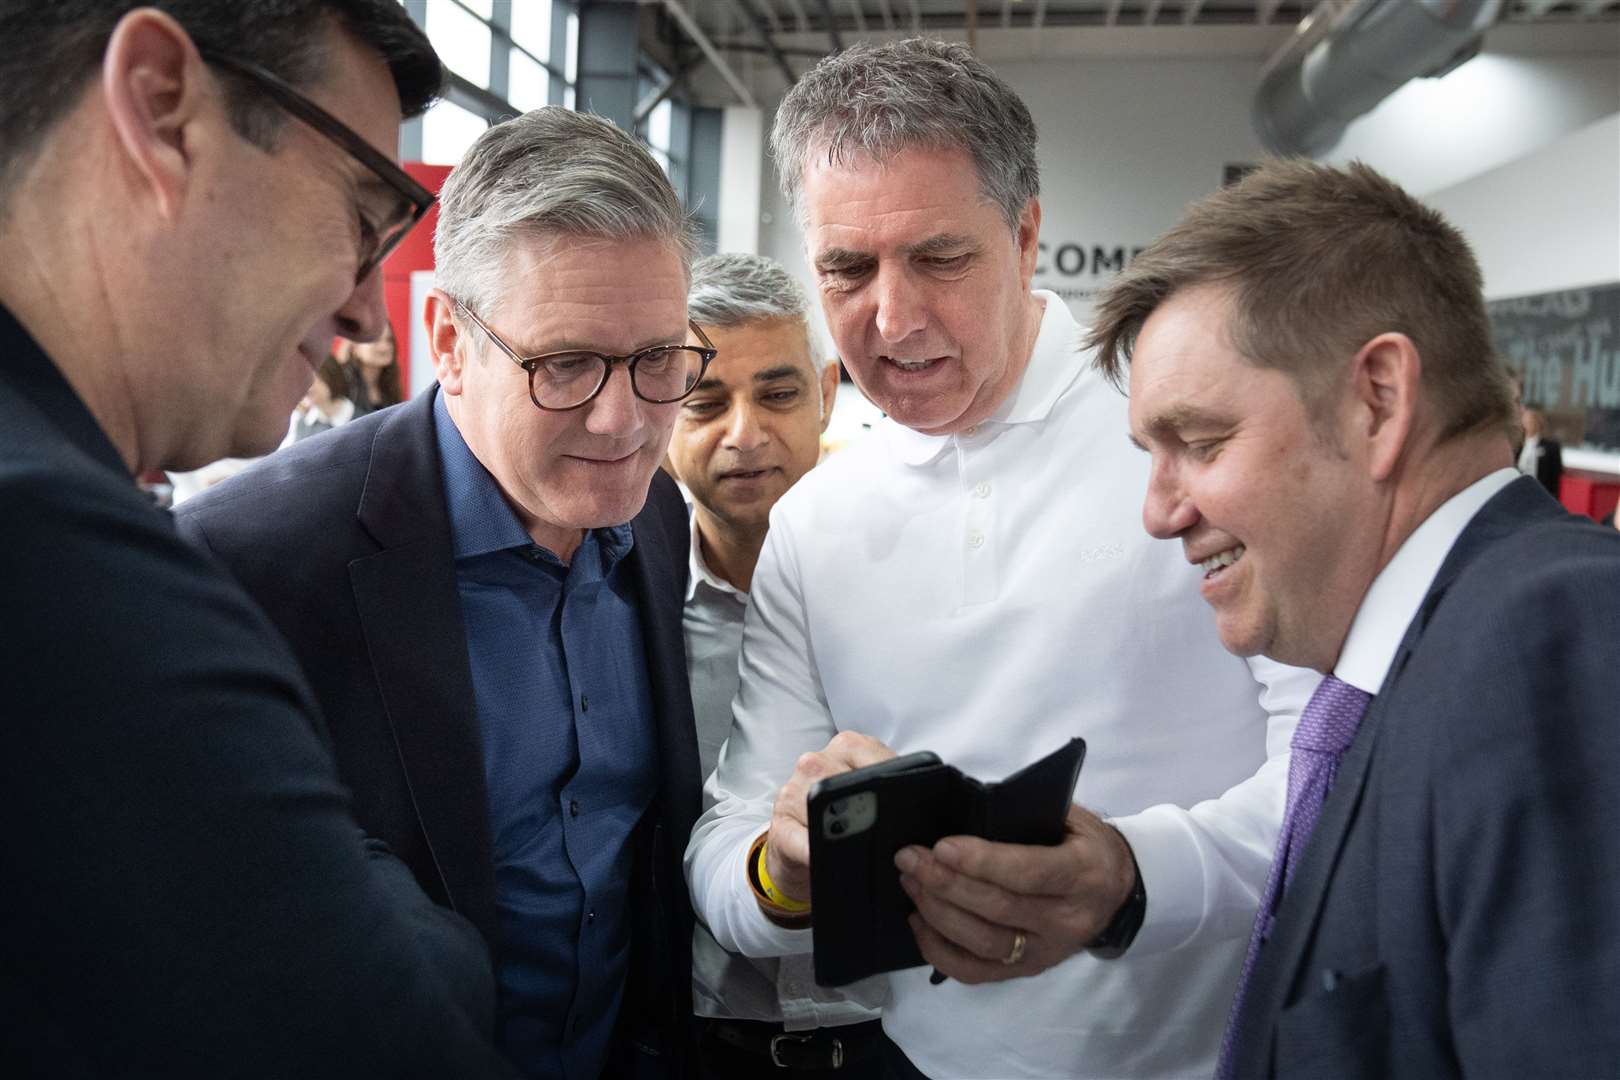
1549	220
1435	133
1127	139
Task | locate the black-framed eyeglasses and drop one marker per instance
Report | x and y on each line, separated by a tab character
560	381
391	214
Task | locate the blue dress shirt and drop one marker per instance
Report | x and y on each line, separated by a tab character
565	712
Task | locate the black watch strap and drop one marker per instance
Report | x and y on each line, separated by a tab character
1121	930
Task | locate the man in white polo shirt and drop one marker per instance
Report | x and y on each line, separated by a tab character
748	432
973	579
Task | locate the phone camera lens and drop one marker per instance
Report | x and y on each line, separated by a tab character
836	828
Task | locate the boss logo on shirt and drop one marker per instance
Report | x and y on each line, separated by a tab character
1099	553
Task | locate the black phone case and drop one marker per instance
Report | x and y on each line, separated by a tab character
860	910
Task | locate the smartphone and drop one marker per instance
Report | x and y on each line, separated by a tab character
860	819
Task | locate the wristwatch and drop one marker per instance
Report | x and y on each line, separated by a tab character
1117	936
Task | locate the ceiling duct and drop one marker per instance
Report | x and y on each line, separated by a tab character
1351	54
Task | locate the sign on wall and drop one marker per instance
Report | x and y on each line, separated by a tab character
1078	270
1566	348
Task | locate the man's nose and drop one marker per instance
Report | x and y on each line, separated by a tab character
900	308
1168	510
615	410
743	428
363	314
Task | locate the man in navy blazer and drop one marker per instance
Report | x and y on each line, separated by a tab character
485	586
187	892
1310	367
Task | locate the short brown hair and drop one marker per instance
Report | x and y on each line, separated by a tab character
1318	261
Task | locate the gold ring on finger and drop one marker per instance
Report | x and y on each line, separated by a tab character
1016	953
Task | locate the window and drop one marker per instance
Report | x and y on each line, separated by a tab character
447	131
460	38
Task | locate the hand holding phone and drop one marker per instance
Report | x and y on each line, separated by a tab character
860	819
787	854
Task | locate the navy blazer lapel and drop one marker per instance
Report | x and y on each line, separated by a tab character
658	576
410	613
1277	969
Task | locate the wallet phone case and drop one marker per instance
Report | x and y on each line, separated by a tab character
860	910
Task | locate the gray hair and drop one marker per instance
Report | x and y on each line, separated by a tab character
729	290
549	173
879	100
732	290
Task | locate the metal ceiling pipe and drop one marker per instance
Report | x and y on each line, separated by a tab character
1349	55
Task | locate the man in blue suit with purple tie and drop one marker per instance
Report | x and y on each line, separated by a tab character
1310	367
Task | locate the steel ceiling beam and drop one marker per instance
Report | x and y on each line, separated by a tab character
695	32
1040	15
799	16
833	35
1150	13
1190	13
1112	17
763	31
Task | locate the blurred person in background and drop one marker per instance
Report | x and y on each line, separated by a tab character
191	894
326	406
372	371
746	434
1540	456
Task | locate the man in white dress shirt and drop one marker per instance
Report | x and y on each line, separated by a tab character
1311	369
750	429
973	579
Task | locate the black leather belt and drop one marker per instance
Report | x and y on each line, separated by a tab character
820	1048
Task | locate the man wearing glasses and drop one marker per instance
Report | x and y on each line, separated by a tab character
192	202
499	648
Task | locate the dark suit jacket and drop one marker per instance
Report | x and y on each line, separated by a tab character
344	539
1457	911
186	892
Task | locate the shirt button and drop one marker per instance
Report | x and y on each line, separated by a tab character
573	808
981	490
975	539
584	703
972	431
590	917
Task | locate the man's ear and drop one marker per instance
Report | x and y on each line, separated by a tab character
1029	239
829	391
442	337
1386	387
154	86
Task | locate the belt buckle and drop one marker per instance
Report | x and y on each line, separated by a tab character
777	1040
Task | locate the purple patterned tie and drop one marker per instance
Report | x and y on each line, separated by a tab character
1325	730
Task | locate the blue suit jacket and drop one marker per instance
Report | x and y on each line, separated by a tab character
344	539
1457	912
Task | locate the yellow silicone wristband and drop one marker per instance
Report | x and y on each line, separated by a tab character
777	896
